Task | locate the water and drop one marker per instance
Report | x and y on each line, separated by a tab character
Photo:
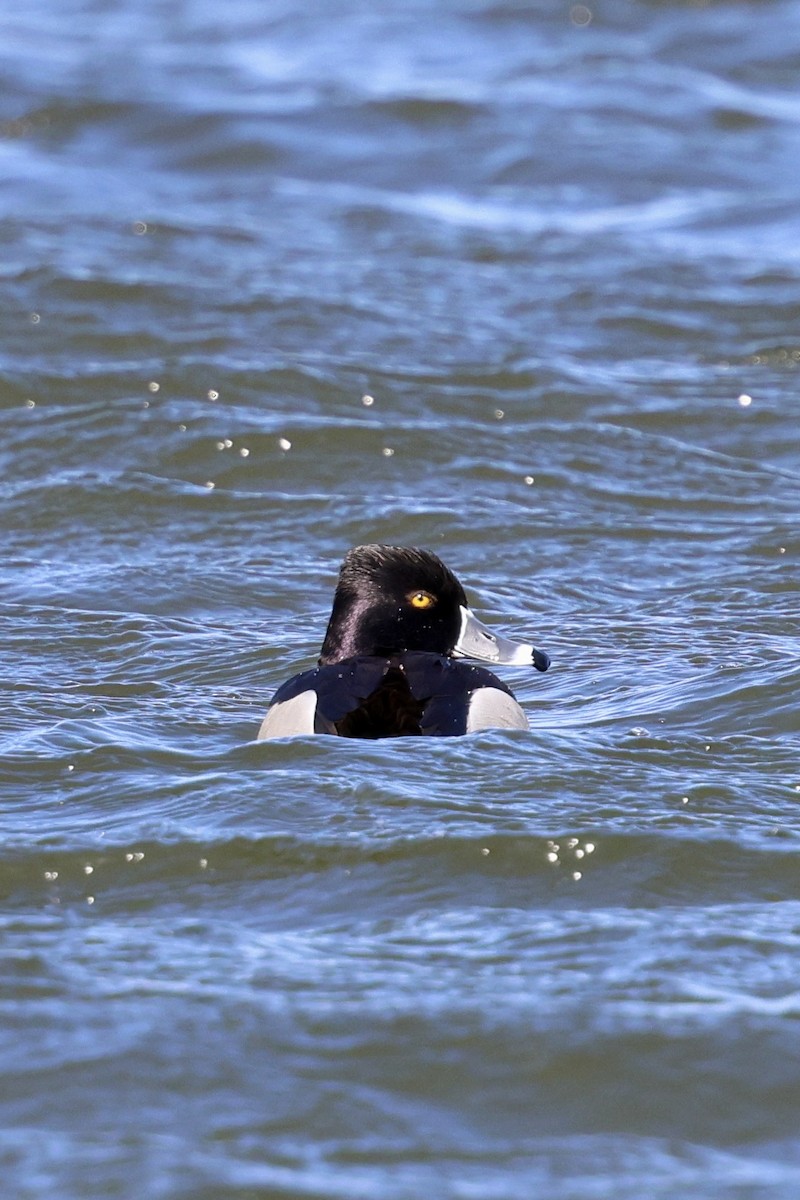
558	246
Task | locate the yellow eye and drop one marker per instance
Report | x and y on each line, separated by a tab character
422	600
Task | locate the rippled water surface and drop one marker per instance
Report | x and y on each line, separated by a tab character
559	248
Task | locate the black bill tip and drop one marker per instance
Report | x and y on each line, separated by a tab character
540	660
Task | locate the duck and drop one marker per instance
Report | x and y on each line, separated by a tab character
392	659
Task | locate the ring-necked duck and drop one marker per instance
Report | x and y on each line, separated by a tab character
390	663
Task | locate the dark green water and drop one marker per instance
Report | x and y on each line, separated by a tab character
560	249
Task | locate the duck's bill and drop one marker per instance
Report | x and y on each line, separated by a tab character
476	641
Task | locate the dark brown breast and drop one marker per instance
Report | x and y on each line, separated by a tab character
390	711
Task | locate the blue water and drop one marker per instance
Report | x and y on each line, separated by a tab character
558	247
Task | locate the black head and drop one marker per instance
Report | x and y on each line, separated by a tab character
390	599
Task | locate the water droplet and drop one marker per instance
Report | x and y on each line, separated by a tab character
745	401
580	15
284	444
368	401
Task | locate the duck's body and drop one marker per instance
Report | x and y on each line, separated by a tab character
388	666
375	697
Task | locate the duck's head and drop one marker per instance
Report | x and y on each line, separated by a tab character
392	599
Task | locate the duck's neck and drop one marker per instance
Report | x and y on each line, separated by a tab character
344	637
